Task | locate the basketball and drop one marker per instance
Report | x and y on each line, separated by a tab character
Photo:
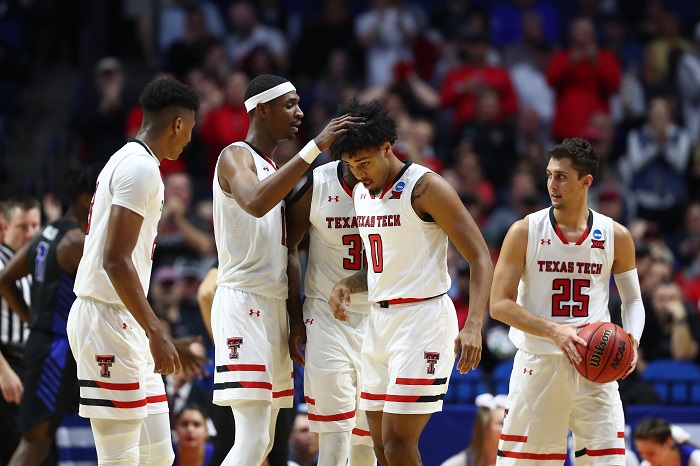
608	354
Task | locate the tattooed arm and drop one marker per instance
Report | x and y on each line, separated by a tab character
340	295
435	200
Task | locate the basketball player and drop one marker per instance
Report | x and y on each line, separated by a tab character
249	315
322	203
51	259
405	215
118	343
558	262
23	221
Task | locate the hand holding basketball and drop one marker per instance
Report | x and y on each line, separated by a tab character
608	355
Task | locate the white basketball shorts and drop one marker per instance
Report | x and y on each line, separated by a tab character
407	356
114	363
252	354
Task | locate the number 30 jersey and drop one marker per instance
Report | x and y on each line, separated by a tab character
335	246
564	282
407	256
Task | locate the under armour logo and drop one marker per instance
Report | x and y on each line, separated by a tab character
309	321
125	325
527	371
432	359
252	312
266	169
363	196
330	198
105	362
234	344
597	244
547	241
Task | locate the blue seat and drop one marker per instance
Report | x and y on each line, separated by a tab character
464	388
677	382
500	377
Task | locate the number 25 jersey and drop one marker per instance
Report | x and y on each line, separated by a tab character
564	282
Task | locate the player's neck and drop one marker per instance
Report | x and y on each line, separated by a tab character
261	142
152	143
572	217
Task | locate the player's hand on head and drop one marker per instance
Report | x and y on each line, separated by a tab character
11	386
339	301
565	337
165	358
192	357
468	348
335	128
297	342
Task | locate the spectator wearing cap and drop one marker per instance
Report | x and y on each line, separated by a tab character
99	114
583	78
615	203
486	431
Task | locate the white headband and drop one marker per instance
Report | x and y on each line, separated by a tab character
487	400
268	95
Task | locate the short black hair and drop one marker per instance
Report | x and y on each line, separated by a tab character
164	95
655	430
78	181
262	83
580	152
379	128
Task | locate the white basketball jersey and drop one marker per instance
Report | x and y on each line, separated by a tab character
564	282
252	251
335	247
407	256
131	179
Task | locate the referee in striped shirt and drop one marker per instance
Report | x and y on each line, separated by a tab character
23	219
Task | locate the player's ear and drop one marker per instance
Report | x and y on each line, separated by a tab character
587	181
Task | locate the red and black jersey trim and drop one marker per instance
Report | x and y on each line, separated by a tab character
241	368
264	157
109	385
403	398
533	456
396	179
560	234
405	381
600	452
225	385
123	404
341	180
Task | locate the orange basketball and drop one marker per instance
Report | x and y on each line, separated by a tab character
608	354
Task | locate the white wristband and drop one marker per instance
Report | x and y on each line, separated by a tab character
309	152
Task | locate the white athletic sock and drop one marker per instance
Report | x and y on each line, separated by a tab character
333	448
252	420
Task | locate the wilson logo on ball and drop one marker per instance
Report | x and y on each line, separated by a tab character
599	349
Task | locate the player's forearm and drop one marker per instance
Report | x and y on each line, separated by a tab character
294	307
202	242
480	284
124	278
683	347
514	315
357	282
205	298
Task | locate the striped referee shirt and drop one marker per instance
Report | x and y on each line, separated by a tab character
13	331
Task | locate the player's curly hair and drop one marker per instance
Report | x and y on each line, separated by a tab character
262	83
580	152
379	128
78	181
163	94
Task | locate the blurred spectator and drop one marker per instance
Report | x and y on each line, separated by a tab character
492	139
303	444
191	447
583	78
672	329
656	444
166	293
3	222
332	31
472	182
486	431
614	202
451	16
172	25
508	24
188	52
531	86
689	86
665	49
182	390
689	247
462	86
226	123
338	76
181	234
417	145
277	14
100	112
246	33
386	31
655	165
533	40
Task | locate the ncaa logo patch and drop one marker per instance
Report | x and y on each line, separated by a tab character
597	234
400	185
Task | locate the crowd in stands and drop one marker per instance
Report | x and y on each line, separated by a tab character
480	89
